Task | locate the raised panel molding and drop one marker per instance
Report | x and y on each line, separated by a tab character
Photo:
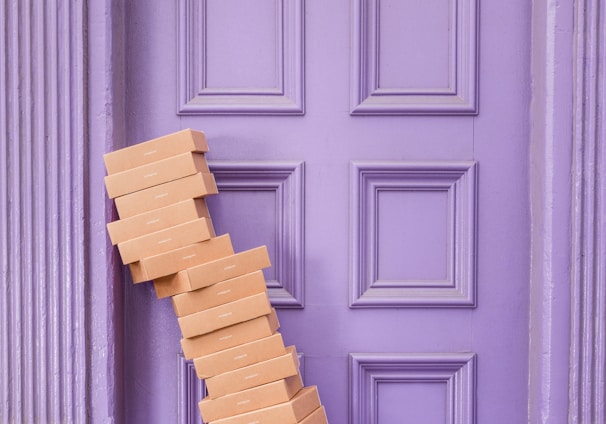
456	370
287	180
44	360
192	389
286	98
459	98
458	179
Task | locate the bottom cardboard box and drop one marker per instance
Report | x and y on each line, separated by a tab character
316	417
250	399
254	375
292	412
231	336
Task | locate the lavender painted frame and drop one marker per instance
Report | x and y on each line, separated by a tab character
286	98
460	180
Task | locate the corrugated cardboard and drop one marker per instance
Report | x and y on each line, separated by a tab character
154	150
190	187
250	399
240	356
254	375
224	315
219	293
165	240
158	219
291	412
316	417
229	267
231	336
179	259
155	173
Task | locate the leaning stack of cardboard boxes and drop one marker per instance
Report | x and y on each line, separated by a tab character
229	327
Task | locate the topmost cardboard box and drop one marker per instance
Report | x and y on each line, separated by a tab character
156	149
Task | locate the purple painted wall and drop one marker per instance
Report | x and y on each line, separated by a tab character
70	98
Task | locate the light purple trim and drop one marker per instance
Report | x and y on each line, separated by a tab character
287	98
191	391
460	98
588	347
288	180
456	370
460	180
43	321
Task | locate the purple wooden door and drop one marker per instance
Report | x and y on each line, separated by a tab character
380	150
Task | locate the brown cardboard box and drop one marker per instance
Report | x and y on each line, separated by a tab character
231	336
179	259
229	267
171	285
250	399
316	417
155	173
300	406
155	150
219	293
158	219
254	375
225	315
165	240
240	356
190	187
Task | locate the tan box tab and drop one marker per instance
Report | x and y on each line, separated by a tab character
155	149
295	410
224	315
219	293
229	267
240	356
250	399
171	285
155	173
231	336
182	258
158	219
254	375
165	240
190	187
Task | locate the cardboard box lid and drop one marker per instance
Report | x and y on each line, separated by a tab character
231	336
250	399
190	187
187	140
254	375
229	267
291	412
218	293
316	417
165	240
184	257
240	356
155	173
158	219
224	315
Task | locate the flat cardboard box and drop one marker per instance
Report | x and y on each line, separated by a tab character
163	241
158	219
250	399
219	293
172	285
154	150
155	173
224	315
231	336
254	375
240	356
229	267
190	187
316	417
293	411
179	259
